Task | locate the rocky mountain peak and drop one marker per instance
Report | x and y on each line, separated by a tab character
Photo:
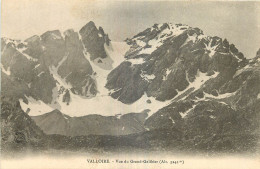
33	39
88	28
94	40
69	32
52	67
165	59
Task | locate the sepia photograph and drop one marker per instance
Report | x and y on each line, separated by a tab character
130	84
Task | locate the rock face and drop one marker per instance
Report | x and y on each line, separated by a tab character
75	68
52	67
165	59
94	40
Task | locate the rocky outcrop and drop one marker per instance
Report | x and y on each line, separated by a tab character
94	40
66	97
18	130
127	82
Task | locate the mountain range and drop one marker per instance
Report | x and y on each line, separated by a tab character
168	87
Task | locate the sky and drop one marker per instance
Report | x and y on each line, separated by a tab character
239	22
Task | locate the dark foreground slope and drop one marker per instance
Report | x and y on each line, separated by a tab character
19	134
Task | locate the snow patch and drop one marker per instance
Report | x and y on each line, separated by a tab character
213	117
116	51
191	38
211	49
223	103
21	50
221	96
168	71
200	79
173	122
140	43
37	107
7	72
137	61
239	60
118	116
184	114
239	71
36	66
40	74
147	77
29	85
